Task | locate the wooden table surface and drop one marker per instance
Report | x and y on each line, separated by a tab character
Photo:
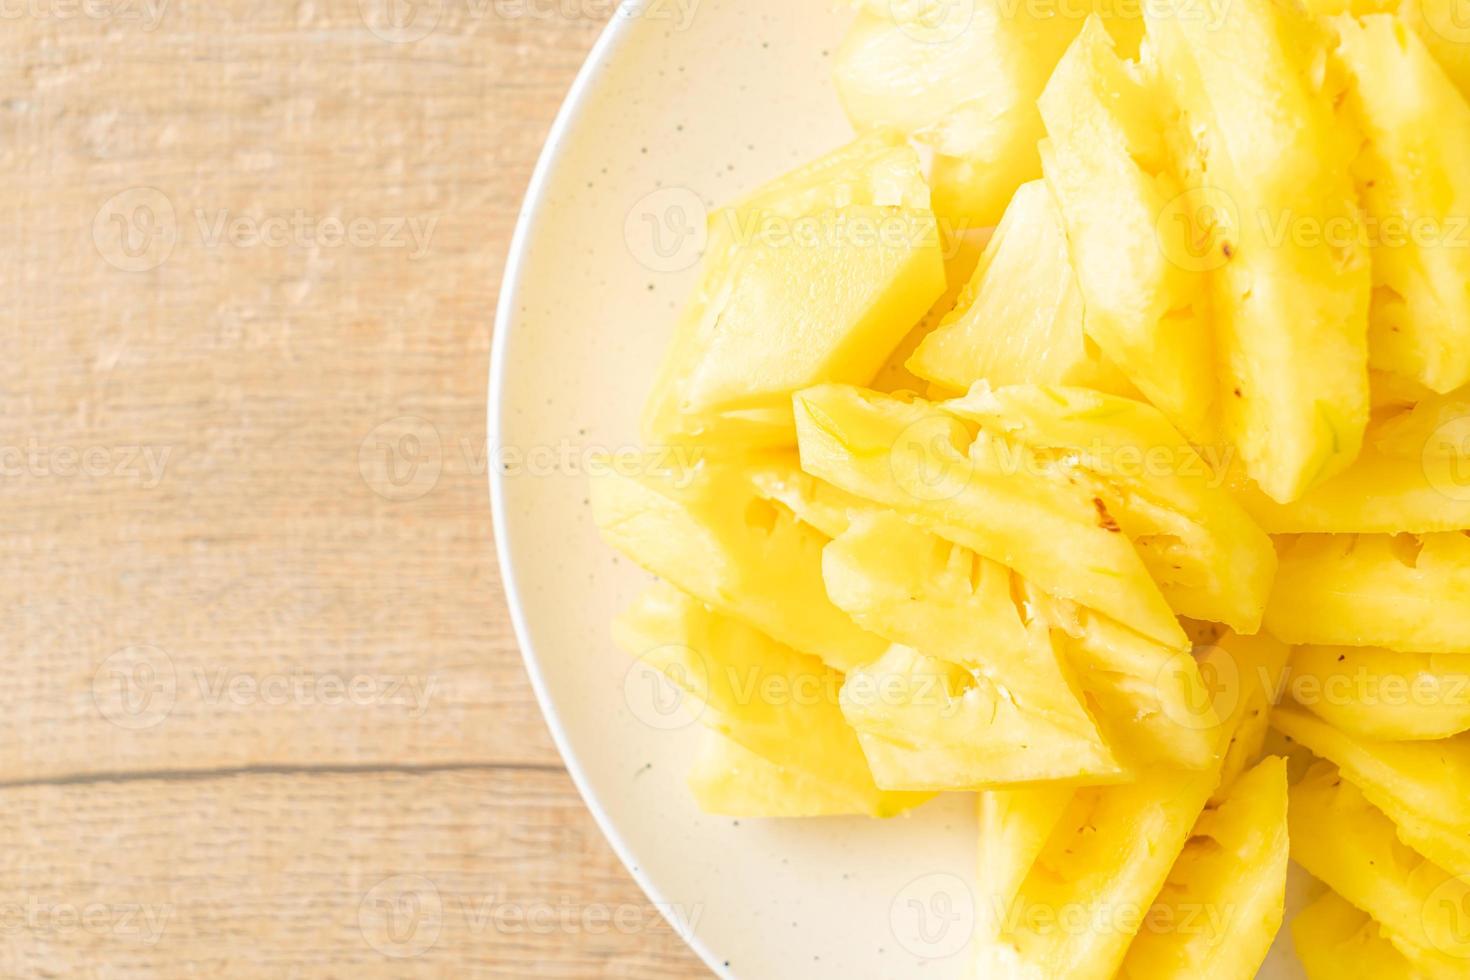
265	714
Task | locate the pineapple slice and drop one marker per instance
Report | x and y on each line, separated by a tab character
962	252
1420	786
968	672
1386	695
1440	24
1019	320
961	730
1381	493
858	223
706	530
779	478
776	702
963	82
1108	853
1106	161
1210	559
1290	310
1335	941
1338	836
1414	178
979	493
1232	874
921	591
1152	702
730	780
1403	591
1433	427
1245	675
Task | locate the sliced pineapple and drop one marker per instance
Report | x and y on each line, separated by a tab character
982	494
1338	836
1207	555
1440	24
779	478
964	83
1223	901
944	600
1380	493
730	780
776	702
973	680
1151	701
1399	591
1015	825
1421	786
1388	695
755	330
706	530
1432	427
1108	854
1106	161
1414	177
1246	675
1269	173
1336	941
961	730
1019	320
963	249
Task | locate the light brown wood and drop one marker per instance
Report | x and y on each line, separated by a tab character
253	255
448	874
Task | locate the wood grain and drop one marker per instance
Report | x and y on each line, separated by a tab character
449	874
248	292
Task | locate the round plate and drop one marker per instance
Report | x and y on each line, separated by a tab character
681	105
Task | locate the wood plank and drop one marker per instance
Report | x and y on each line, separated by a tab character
445	874
198	419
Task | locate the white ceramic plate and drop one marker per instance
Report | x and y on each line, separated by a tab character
682	104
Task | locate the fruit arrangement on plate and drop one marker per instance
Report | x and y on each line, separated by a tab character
1091	435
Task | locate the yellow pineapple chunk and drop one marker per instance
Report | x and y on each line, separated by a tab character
1433	427
946	601
1245	675
1336	941
970	679
1019	320
1338	836
1207	555
1380	493
772	700
977	492
730	780
1289	296
961	730
1106	161
1440	24
1405	592
779	478
1108	854
1414	177
964	83
1388	695
706	530
1420	786
1223	901
857	223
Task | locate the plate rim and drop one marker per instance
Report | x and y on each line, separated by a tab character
614	34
